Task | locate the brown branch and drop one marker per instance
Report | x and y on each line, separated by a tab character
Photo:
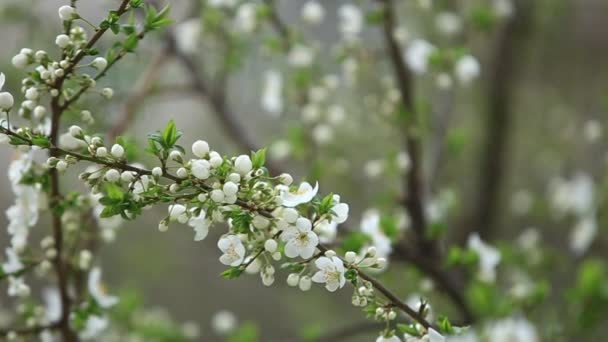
414	183
499	112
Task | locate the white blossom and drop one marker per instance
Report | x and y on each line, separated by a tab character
448	23
513	329
331	273
245	20
94	326
312	12
6	99
200	148
299	239
301	56
67	13
243	164
187	35
304	194
351	21
417	55
467	69
97	290
370	225
233	249
223	322
272	100
583	234
489	257
201	225
99	63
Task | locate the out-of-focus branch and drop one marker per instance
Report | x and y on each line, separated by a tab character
425	255
278	24
441	123
499	112
414	182
137	97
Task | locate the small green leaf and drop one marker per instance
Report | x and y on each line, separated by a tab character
232	273
258	158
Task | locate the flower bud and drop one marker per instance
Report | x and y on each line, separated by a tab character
67	13
99	63
117	151
293	279
270	245
200	148
243	164
350	257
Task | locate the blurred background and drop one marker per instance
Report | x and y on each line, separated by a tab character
535	115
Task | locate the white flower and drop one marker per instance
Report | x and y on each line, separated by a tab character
112	175
331	272
370	225
312	12
12	263
503	8
200	169
243	164
573	196
6	99
272	100
223	322
63	41
177	212
31	94
448	23
99	63
201	226
20	61
300	240
511	330
583	234
489	257
322	134
592	130
67	13
94	326
17	288
340	210
245	19
230	188
107	93
326	230
200	148
117	151
222	3
467	69
52	302
97	290
351	21
187	35
233	249
417	55
304	194
301	56
392	338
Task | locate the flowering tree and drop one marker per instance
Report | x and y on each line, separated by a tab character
270	225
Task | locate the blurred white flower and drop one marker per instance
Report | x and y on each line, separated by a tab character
511	330
503	8
448	23
351	21
489	257
223	322
467	69
417	55
592	131
187	35
245	20
583	234
97	290
370	225
93	328
12	263
272	99
322	134
392	338
312	12
301	56
573	196
52	306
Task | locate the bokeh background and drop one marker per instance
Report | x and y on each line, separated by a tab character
556	91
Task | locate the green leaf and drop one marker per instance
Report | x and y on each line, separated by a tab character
170	134
232	273
248	332
408	329
131	43
114	192
41	140
355	241
258	158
